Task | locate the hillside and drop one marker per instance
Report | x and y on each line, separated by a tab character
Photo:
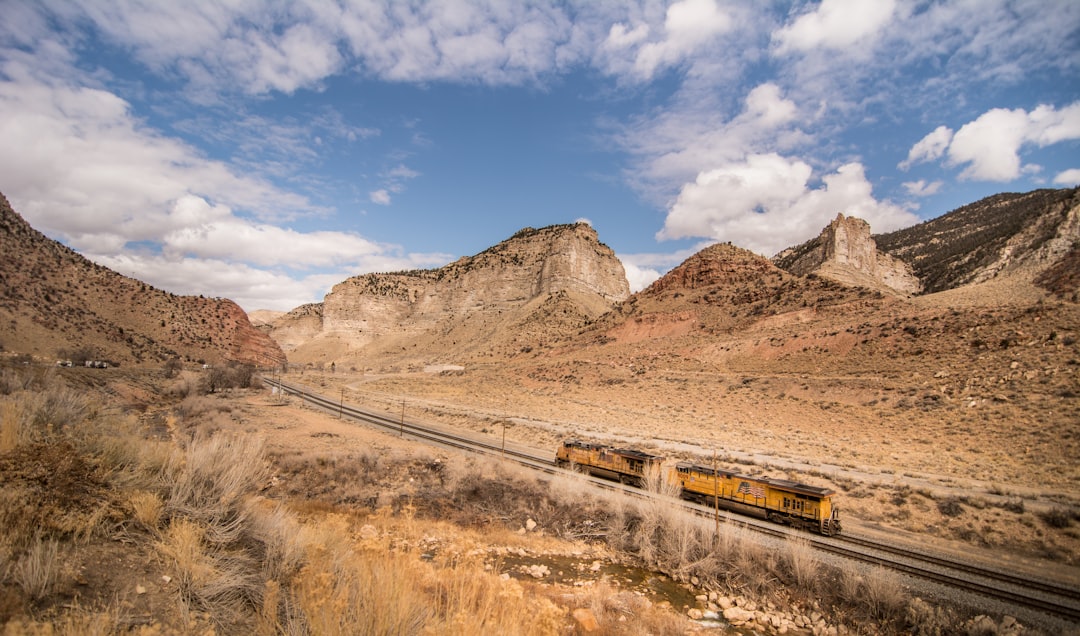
54	302
538	285
1003	234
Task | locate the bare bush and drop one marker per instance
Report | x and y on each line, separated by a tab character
37	571
147	509
883	595
803	564
217	473
214	577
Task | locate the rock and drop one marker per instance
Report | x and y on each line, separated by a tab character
140	590
596	565
166	578
558	270
368	531
694	614
695	581
702	598
530	525
586	620
738	616
538	571
724	602
846	253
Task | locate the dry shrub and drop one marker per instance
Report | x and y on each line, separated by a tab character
883	595
284	539
12	432
628	614
216	578
38	570
375	594
194	406
217	473
32	416
372	588
146	509
802	564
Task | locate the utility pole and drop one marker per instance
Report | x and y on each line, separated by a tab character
715	499
341	403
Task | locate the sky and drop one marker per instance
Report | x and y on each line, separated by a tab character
264	151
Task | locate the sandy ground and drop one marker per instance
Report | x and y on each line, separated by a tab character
875	501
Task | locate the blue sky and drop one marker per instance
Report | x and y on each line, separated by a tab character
264	151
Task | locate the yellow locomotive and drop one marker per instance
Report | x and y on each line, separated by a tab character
779	500
627	466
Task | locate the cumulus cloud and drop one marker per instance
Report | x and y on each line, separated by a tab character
91	173
921	188
639	277
765	204
929	148
687	26
835	24
989	147
1069	177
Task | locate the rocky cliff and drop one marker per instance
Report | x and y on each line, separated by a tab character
1008	234
845	252
480	302
54	300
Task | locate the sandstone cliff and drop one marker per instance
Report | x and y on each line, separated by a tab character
846	253
477	306
53	299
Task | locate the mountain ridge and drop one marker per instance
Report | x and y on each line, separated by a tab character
55	301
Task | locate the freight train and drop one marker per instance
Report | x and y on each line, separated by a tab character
778	500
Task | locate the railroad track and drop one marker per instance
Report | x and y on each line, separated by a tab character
1044	596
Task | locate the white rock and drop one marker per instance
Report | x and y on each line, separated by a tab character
530	525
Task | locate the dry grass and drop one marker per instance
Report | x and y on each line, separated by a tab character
38	570
215	578
803	565
216	475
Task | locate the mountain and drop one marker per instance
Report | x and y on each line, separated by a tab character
1002	235
54	302
845	252
535	286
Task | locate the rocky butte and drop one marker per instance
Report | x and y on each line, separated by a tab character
845	252
507	296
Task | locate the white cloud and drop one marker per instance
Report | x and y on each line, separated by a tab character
989	147
765	204
90	172
380	197
639	277
835	24
921	188
929	148
688	25
675	146
1069	177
